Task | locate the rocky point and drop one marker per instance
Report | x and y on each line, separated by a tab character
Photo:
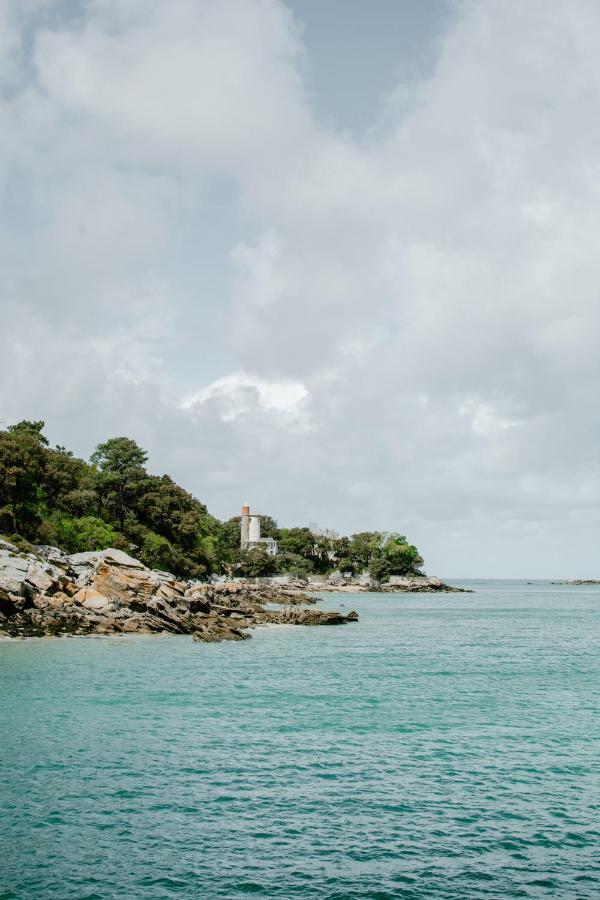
45	592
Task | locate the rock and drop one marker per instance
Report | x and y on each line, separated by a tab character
42	578
421	584
108	592
579	581
13	572
60	600
119	558
338	583
84	559
303	616
6	545
91	599
215	631
50	554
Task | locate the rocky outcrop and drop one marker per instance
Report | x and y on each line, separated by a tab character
109	592
579	581
357	584
413	584
303	616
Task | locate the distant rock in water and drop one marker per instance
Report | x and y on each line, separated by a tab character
579	581
109	592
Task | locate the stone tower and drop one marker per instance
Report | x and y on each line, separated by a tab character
250	532
245	535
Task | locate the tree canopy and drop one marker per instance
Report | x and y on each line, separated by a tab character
49	496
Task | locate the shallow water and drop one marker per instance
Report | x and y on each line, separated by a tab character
445	746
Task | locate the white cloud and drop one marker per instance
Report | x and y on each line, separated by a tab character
239	394
484	418
206	81
409	322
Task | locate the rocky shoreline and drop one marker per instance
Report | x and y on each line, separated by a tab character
338	583
47	593
399	584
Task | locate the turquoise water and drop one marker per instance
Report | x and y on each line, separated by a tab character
443	747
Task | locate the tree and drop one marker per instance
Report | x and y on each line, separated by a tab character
255	562
230	534
268	527
363	546
300	541
157	552
169	510
380	569
121	474
341	552
78	535
65	475
347	566
403	558
322	554
79	502
22	465
33	429
292	564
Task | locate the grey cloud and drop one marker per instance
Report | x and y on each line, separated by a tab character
430	292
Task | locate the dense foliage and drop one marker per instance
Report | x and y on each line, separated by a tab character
48	496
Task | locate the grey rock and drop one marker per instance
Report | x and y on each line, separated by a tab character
119	558
302	616
90	558
110	592
6	545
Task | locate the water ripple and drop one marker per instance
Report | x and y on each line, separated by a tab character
445	747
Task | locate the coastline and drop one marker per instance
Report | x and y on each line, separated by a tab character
46	593
340	584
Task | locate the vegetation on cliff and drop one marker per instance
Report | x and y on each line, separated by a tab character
49	496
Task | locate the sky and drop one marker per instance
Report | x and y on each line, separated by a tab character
337	259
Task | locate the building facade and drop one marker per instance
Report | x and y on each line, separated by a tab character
250	532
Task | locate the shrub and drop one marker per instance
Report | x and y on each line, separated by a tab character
156	552
79	535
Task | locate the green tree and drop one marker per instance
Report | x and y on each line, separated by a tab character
157	552
293	564
380	569
33	429
303	542
78	535
22	465
255	562
403	558
300	541
340	548
347	565
64	476
363	547
230	534
268	527
121	474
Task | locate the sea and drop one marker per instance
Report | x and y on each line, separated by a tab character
445	746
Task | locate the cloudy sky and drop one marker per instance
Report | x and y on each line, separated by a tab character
337	258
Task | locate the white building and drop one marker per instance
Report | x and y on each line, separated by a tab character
250	532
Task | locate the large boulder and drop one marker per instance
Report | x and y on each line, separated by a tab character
303	616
